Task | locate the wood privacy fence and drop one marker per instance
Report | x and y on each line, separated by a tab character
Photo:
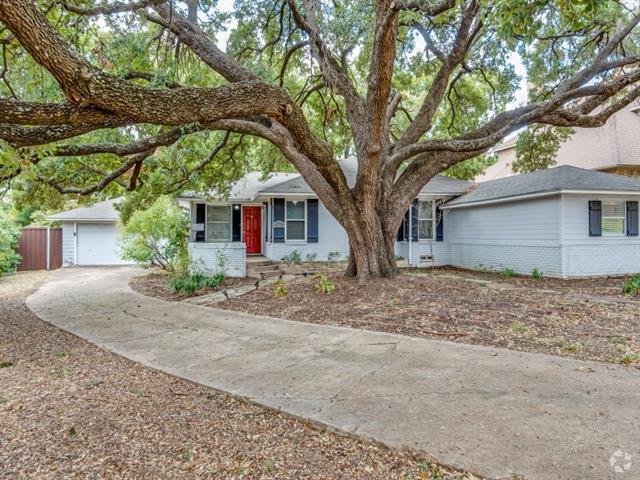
40	249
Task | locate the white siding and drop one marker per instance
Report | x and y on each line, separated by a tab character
68	245
519	235
587	256
204	257
331	238
424	253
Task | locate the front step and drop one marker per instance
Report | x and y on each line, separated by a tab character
264	273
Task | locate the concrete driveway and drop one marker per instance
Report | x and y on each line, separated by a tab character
495	412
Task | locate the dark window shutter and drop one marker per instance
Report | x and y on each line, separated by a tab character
312	220
405	226
278	216
200	219
440	225
236	223
632	219
414	221
267	213
400	236
595	218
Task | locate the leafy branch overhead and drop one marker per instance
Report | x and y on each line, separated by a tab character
139	95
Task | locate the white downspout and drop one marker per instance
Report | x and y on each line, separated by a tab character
75	243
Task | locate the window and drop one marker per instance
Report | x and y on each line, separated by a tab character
295	217
218	223
425	220
613	217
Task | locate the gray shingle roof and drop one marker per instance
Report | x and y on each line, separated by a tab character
550	180
248	186
439	185
100	212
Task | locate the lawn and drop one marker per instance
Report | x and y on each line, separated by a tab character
71	410
587	319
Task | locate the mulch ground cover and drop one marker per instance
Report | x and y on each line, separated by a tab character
71	410
158	285
511	312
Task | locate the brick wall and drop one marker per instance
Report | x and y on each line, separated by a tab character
204	257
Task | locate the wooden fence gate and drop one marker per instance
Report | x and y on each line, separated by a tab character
40	249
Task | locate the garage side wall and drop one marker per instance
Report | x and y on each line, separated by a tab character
520	235
68	245
592	256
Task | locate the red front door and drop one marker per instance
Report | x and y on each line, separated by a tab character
252	228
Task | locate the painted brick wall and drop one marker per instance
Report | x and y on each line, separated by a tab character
204	257
439	251
68	245
518	235
332	238
585	255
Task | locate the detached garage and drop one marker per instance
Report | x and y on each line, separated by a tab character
90	235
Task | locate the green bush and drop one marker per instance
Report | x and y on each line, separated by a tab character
9	237
508	272
536	273
293	258
190	284
333	256
324	285
632	287
158	237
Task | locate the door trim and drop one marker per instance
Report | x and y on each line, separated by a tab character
258	231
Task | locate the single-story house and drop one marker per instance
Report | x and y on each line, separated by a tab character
564	221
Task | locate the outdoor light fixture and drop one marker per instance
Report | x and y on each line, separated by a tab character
236	207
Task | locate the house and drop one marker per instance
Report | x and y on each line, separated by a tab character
612	148
564	221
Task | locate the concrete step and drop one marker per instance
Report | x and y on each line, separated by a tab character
262	268
264	274
258	262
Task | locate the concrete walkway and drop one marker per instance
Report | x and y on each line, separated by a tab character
492	411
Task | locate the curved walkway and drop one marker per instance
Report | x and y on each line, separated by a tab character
495	412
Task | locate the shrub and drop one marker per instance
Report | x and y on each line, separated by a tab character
508	272
536	273
9	236
332	256
190	284
158	237
280	289
293	258
311	257
324	285
518	327
632	287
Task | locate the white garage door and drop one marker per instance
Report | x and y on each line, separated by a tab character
98	244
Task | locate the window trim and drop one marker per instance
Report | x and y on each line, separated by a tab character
206	223
432	220
624	219
286	221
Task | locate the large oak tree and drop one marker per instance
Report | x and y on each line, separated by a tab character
410	87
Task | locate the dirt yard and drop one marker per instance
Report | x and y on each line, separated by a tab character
71	410
588	319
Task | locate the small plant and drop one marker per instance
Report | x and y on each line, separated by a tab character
324	285
536	273
72	431
222	260
6	364
518	327
572	347
61	354
311	257
628	358
632	287
280	289
3	401
618	339
508	272
293	258
187	453
333	256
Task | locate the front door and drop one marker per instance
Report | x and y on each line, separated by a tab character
251	228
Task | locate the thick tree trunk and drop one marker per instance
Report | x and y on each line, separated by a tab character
371	246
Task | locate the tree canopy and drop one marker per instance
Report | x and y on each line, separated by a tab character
113	96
